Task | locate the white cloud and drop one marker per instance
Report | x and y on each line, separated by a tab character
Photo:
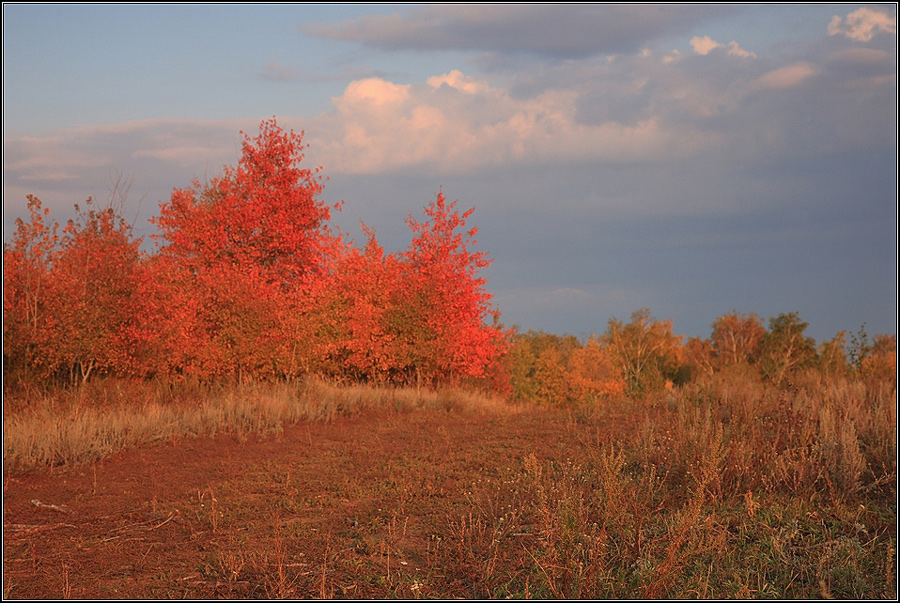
703	46
456	79
790	76
863	24
456	122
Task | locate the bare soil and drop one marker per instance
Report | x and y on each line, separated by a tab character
364	506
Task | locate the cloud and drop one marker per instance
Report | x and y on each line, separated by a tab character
67	166
705	45
789	76
455	122
571	31
863	24
637	111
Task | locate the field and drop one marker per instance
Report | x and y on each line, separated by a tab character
713	491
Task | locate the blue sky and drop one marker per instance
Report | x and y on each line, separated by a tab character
691	159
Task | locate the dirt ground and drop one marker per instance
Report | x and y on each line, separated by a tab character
360	507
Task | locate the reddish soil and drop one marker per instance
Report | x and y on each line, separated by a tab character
361	507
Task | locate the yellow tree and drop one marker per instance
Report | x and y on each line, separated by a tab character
646	351
737	338
785	348
593	374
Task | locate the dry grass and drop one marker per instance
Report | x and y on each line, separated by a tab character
80	426
723	489
728	488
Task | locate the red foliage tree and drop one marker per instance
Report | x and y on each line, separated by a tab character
98	305
27	290
262	214
439	324
242	252
369	281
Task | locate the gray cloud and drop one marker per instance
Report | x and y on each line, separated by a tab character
546	30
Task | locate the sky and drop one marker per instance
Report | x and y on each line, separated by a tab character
690	159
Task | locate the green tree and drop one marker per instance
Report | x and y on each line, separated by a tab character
537	365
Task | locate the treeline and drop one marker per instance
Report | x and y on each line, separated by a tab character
247	281
645	357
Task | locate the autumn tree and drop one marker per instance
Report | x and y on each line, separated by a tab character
439	321
873	357
99	309
737	338
538	364
646	351
27	291
833	356
880	365
785	348
263	214
242	251
353	306
699	357
593	374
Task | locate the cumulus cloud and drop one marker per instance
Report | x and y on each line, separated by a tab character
571	31
625	110
456	122
863	24
705	45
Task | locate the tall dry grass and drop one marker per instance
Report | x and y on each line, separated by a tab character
75	426
727	488
836	436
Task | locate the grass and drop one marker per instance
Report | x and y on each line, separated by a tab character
724	488
84	425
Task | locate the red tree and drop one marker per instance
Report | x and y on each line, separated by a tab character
99	308
439	324
243	251
369	282
28	320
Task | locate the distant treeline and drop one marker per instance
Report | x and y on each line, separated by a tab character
645	357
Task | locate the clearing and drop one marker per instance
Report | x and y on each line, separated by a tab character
362	506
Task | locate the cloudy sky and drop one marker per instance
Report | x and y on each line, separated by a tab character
693	160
